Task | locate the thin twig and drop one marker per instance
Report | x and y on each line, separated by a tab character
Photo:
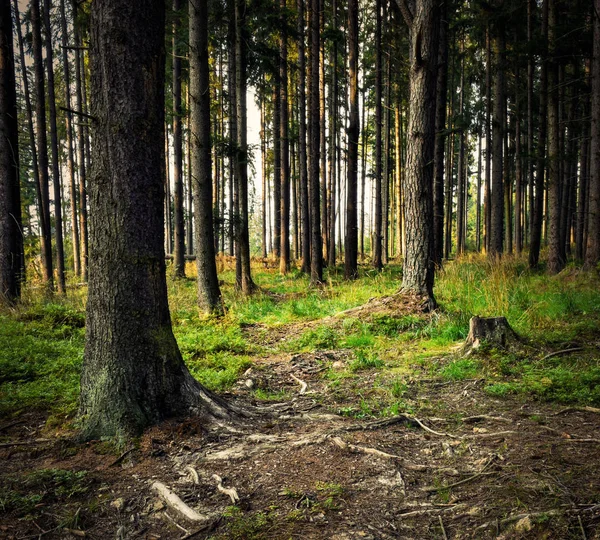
12	424
23	443
176	524
122	457
581	527
303	385
78	113
429	430
207	528
564	351
442	526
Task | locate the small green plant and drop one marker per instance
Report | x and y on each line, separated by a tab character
242	526
365	360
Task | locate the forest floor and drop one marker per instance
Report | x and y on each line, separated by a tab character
385	433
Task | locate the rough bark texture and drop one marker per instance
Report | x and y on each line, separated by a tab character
11	246
42	146
351	240
209	294
418	270
592	256
133	374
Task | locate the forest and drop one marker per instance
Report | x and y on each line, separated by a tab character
299	269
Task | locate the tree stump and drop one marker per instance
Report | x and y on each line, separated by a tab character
493	330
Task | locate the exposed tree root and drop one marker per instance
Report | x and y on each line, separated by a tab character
193	474
230	492
176	503
303	385
564	351
461	482
577	409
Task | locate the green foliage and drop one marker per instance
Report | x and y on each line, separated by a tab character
365	360
242	526
462	368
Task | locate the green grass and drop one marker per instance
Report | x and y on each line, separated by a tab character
41	342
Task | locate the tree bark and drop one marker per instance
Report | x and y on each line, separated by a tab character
538	208
70	156
284	255
11	238
351	237
418	270
592	256
316	255
40	114
81	154
244	277
178	214
378	218
209	293
440	138
556	259
304	207
499	99
133	374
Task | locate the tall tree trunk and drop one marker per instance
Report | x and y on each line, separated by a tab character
518	210
592	256
209	294
179	228
277	167
460	176
244	279
40	114
378	223
351	236
497	195
363	176
133	374
440	138
316	254
582	195
29	112
11	243
385	182
538	208
304	207
323	139
418	270
478	198
58	224
69	133
487	190
530	148
556	258
284	256
263	163
81	154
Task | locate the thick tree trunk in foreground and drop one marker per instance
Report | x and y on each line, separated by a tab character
11	244
377	246
284	249
418	270
133	374
209	293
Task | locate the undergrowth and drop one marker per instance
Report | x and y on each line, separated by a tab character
41	341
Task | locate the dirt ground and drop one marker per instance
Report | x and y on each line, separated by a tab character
470	466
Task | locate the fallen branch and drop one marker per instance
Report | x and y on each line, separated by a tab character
206	528
490	435
442	526
176	503
577	409
564	351
231	492
303	385
12	424
23	443
429	430
172	520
